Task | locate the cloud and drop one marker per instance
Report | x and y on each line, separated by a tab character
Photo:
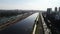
28	4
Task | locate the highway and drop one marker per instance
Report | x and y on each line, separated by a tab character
41	26
46	29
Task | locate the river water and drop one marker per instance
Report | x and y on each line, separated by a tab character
21	27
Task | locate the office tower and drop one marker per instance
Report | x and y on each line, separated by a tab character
55	9
49	10
59	9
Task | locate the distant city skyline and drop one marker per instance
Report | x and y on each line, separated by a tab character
29	4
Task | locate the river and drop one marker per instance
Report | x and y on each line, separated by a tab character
21	27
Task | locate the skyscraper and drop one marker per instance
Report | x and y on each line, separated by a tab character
55	9
59	9
49	10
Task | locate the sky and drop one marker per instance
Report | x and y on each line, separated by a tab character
29	4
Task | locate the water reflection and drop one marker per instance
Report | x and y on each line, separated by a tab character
22	27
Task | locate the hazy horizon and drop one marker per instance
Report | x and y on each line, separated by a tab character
28	4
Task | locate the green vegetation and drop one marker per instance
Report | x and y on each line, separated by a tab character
37	28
